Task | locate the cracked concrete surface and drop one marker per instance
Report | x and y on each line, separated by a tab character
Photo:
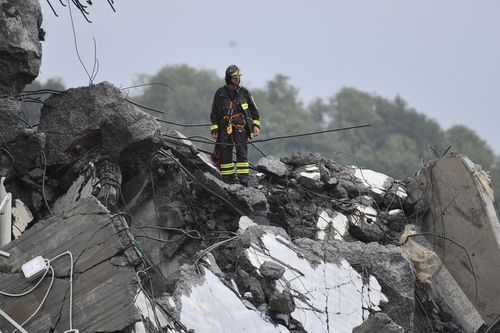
97	281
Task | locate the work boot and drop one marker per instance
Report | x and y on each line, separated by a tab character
243	180
229	179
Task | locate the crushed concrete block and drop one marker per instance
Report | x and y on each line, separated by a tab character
365	225
245	223
271	270
302	158
378	323
334	167
282	303
249	198
258	296
395	219
21	218
100	111
10	126
20	45
272	165
384	189
309	177
332	225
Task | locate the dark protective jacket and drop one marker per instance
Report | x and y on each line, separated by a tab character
235	106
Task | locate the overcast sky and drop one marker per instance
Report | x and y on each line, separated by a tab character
441	56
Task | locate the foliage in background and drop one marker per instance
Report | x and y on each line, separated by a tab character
398	142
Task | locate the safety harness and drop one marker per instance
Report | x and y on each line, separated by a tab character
231	116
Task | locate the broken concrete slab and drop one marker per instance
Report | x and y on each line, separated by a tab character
437	283
95	244
282	303
384	189
378	323
10	126
249	199
332	225
395	219
302	158
461	206
97	113
308	176
388	264
198	299
20	48
323	281
21	218
271	270
365	225
272	165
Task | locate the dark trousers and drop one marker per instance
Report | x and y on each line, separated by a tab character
239	139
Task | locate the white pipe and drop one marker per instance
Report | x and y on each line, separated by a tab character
5	214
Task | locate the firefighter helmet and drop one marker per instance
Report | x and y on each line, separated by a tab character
231	72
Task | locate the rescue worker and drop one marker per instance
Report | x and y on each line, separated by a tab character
234	119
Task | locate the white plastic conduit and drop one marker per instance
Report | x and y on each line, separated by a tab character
5	214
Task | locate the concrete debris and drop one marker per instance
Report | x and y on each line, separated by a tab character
302	159
316	295
92	238
365	225
10	126
378	323
94	117
387	264
179	212
332	225
395	219
21	218
271	270
273	166
20	48
462	212
161	244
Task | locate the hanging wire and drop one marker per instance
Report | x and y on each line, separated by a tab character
41	92
311	133
148	84
76	42
43	180
145	107
81	7
209	141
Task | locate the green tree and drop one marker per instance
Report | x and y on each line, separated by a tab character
188	100
466	141
283	114
394	143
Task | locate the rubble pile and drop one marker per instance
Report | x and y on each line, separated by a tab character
311	245
158	243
